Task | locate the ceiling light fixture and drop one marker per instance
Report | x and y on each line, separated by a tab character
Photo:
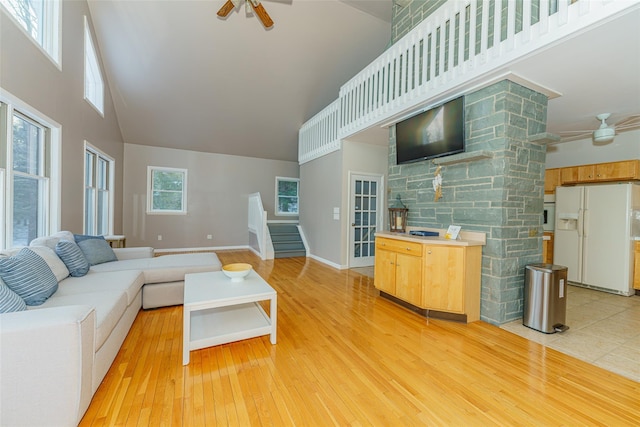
250	4
604	133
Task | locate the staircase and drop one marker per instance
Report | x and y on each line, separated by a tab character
287	242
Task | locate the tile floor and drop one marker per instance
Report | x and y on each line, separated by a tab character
604	330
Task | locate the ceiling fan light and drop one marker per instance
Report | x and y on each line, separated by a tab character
604	135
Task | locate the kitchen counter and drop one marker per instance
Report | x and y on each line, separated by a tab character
466	238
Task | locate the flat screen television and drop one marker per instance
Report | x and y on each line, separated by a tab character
433	133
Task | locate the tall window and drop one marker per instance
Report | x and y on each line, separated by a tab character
28	172
167	190
287	196
93	83
40	19
98	200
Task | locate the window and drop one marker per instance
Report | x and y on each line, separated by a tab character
93	83
167	190
287	192
98	199
40	19
29	174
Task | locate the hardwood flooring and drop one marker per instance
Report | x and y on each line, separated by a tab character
345	356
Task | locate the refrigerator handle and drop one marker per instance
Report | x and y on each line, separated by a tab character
580	222
585	222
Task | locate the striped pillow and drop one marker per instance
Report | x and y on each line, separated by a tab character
29	276
72	257
9	300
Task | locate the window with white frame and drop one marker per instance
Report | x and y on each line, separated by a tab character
98	197
166	190
29	169
287	192
40	20
93	83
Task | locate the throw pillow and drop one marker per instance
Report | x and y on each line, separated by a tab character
73	258
97	251
81	237
9	300
29	276
53	261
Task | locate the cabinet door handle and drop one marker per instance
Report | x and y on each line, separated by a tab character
408	249
429	251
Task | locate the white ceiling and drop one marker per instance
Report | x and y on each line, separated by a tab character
181	77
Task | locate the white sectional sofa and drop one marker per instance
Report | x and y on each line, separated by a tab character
54	356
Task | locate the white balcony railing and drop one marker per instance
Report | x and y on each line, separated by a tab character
450	50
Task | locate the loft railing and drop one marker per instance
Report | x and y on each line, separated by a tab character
454	49
259	238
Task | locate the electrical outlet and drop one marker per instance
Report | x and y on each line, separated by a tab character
209	237
159	236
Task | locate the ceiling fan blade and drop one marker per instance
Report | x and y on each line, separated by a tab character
262	13
226	8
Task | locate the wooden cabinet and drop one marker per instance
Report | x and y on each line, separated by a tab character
398	269
439	277
547	248
627	170
551	180
636	267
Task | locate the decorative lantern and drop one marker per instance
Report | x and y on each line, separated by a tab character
398	216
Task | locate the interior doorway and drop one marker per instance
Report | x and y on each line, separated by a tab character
365	212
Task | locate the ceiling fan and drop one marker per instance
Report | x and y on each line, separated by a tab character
253	4
605	133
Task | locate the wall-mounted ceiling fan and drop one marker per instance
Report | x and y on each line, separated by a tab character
605	133
250	4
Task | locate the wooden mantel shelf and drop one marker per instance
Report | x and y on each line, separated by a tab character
463	157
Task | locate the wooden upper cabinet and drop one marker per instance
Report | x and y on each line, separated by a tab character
551	180
602	172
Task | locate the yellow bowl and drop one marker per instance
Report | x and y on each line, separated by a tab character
237	271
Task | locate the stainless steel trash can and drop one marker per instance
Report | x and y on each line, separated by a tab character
545	298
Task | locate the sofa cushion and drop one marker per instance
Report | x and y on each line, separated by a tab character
127	281
9	300
97	251
166	268
54	262
28	275
109	305
52	240
72	256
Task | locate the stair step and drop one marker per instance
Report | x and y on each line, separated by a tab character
283	228
288	237
288	246
290	254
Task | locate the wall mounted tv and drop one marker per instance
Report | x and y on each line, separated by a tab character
433	133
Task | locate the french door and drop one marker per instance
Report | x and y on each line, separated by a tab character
365	214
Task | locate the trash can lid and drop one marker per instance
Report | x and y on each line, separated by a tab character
546	267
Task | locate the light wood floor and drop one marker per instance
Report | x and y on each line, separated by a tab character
345	356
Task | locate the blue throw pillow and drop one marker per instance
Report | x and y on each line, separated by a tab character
73	258
97	251
81	237
9	300
29	276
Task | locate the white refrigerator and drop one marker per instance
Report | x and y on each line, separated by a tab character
593	235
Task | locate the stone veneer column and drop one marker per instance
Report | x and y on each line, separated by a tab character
501	196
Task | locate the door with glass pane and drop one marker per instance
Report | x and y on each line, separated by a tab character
365	214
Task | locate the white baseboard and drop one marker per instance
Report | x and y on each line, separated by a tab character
213	248
329	263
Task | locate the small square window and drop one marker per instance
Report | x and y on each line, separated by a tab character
287	194
167	190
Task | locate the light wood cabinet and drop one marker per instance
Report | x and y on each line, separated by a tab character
551	180
438	277
398	269
636	267
547	248
627	170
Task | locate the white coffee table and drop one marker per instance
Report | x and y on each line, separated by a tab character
218	311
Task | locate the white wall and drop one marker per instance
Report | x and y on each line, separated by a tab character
29	75
217	200
626	146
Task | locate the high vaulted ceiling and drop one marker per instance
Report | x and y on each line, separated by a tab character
181	77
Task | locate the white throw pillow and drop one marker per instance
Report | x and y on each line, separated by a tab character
54	262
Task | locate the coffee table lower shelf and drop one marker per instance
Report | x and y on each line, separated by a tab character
222	325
